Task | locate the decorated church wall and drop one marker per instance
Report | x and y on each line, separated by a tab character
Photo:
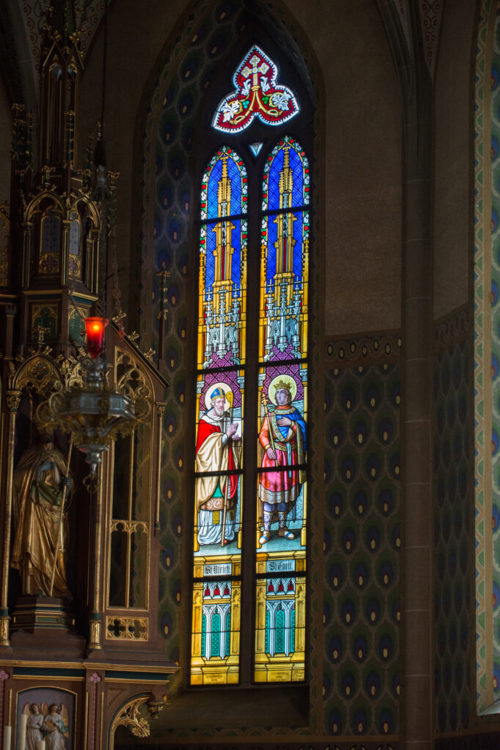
163	65
360	124
362	538
180	85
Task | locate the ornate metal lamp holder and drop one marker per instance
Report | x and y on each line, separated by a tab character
87	408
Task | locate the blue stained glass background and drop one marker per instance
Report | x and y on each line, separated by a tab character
236	257
235	177
298	180
272	229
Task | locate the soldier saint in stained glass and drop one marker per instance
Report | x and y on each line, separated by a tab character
283	438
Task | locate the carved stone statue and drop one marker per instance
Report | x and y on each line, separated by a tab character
40	529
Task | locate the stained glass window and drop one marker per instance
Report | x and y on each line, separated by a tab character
282	417
256	94
220	409
250	453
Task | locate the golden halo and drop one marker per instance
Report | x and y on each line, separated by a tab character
227	390
290	382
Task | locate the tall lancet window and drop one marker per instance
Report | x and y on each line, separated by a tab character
250	453
221	385
282	417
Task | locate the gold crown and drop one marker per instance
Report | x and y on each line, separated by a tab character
282	385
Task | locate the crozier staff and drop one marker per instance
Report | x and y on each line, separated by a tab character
216	495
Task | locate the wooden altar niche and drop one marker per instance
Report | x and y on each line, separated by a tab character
99	654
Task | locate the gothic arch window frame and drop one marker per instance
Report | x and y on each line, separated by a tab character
166	192
256	166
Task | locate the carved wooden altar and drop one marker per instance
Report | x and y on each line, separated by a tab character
92	660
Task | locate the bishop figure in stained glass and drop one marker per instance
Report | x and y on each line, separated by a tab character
217	450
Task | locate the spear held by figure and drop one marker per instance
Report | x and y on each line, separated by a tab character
263	398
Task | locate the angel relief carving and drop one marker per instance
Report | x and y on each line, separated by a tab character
51	722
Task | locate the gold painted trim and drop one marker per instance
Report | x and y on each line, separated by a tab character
46	293
13	401
159	440
48	677
95	624
110	471
101	721
129	510
86	719
169	669
98	541
76	722
87	665
128	681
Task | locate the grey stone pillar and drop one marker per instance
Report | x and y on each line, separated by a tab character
417	460
417	639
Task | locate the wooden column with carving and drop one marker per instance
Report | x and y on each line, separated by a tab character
12	399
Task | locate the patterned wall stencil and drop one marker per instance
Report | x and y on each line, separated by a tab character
87	15
183	80
484	81
362	542
453	530
123	741
431	12
495	349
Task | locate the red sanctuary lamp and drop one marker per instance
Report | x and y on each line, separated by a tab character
95	335
94	412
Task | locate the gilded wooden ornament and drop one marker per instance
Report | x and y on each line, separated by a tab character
130	717
4	631
95	634
131	381
127	628
13	399
39	372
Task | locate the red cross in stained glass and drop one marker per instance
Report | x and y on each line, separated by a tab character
256	94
